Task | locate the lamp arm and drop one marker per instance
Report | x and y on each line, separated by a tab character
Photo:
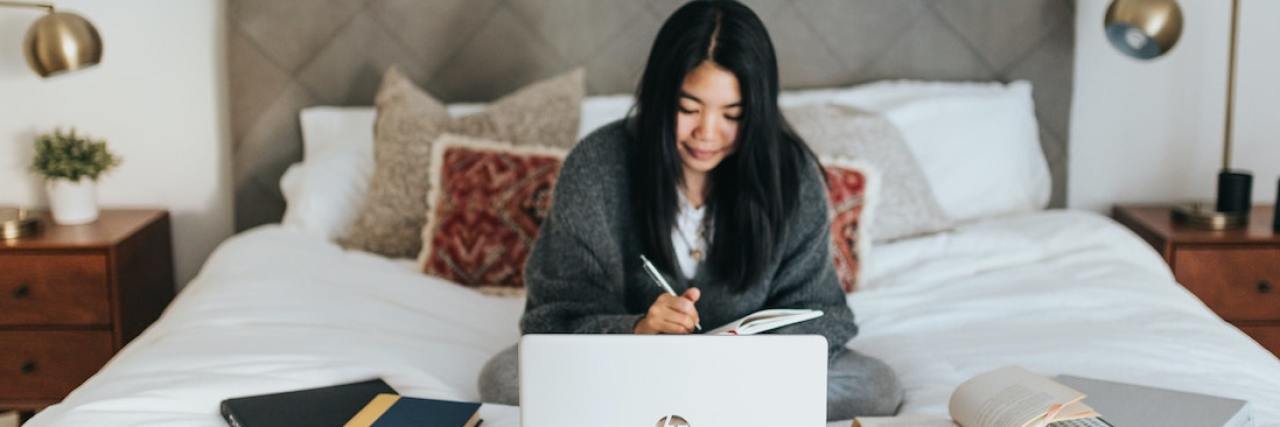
1231	88
48	7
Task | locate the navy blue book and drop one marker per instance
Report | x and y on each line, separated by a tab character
389	410
328	406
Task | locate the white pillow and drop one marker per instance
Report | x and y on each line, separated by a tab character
323	192
907	206
977	142
337	146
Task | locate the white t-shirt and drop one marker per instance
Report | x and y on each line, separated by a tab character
685	237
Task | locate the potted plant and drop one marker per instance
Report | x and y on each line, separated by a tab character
71	164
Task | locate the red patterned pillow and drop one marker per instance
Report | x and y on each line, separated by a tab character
850	185
487	201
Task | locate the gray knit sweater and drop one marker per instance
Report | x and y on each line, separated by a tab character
584	274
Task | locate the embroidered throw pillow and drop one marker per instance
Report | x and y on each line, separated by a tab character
409	120
487	201
907	206
851	191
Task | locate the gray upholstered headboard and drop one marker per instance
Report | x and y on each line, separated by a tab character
288	54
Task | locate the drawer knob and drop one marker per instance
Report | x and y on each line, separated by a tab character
21	291
28	367
1264	287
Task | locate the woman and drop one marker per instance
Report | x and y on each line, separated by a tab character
708	181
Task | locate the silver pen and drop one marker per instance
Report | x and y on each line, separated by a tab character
662	283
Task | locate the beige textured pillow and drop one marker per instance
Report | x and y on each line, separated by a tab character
409	120
906	205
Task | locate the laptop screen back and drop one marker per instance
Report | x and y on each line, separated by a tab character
669	380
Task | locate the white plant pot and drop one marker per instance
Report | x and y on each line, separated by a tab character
73	202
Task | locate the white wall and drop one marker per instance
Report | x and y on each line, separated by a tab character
1141	131
158	98
1151	131
1257	115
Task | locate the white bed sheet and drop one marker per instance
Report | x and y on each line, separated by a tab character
1055	292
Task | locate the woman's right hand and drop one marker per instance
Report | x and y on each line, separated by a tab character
671	314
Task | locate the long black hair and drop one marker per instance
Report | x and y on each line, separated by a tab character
755	188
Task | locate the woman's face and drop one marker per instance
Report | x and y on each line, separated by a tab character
707	117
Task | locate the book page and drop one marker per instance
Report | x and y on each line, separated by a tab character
1011	396
1075	411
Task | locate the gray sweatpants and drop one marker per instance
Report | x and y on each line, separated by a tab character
857	385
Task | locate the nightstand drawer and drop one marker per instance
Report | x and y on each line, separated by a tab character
48	365
1238	284
61	289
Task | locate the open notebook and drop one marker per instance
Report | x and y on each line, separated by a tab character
765	320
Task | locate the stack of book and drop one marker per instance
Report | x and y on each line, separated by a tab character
370	403
1012	396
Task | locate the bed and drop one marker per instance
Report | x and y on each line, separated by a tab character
1054	291
277	307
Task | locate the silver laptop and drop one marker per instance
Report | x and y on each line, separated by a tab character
1133	405
673	381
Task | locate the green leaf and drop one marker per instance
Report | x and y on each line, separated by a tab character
70	156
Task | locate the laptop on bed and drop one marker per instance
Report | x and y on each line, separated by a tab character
672	380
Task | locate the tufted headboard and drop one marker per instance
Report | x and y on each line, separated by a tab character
285	55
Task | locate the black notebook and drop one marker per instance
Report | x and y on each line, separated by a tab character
328	406
389	410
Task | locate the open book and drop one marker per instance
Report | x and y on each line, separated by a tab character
765	320
1006	397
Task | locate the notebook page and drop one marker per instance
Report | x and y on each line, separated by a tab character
775	320
765	320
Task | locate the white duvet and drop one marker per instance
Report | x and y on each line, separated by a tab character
1055	292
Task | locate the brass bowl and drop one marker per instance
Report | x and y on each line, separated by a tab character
17	223
1204	215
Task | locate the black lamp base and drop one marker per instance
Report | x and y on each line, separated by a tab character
1275	222
1235	191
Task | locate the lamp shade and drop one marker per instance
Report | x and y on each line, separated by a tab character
1143	29
60	42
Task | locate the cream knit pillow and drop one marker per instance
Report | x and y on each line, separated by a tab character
906	205
409	120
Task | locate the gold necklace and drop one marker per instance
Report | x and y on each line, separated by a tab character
694	252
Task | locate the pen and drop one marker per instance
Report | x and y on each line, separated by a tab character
662	283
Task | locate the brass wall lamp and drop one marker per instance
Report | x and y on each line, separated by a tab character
1143	29
59	41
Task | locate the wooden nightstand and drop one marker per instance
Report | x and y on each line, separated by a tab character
1235	272
71	296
